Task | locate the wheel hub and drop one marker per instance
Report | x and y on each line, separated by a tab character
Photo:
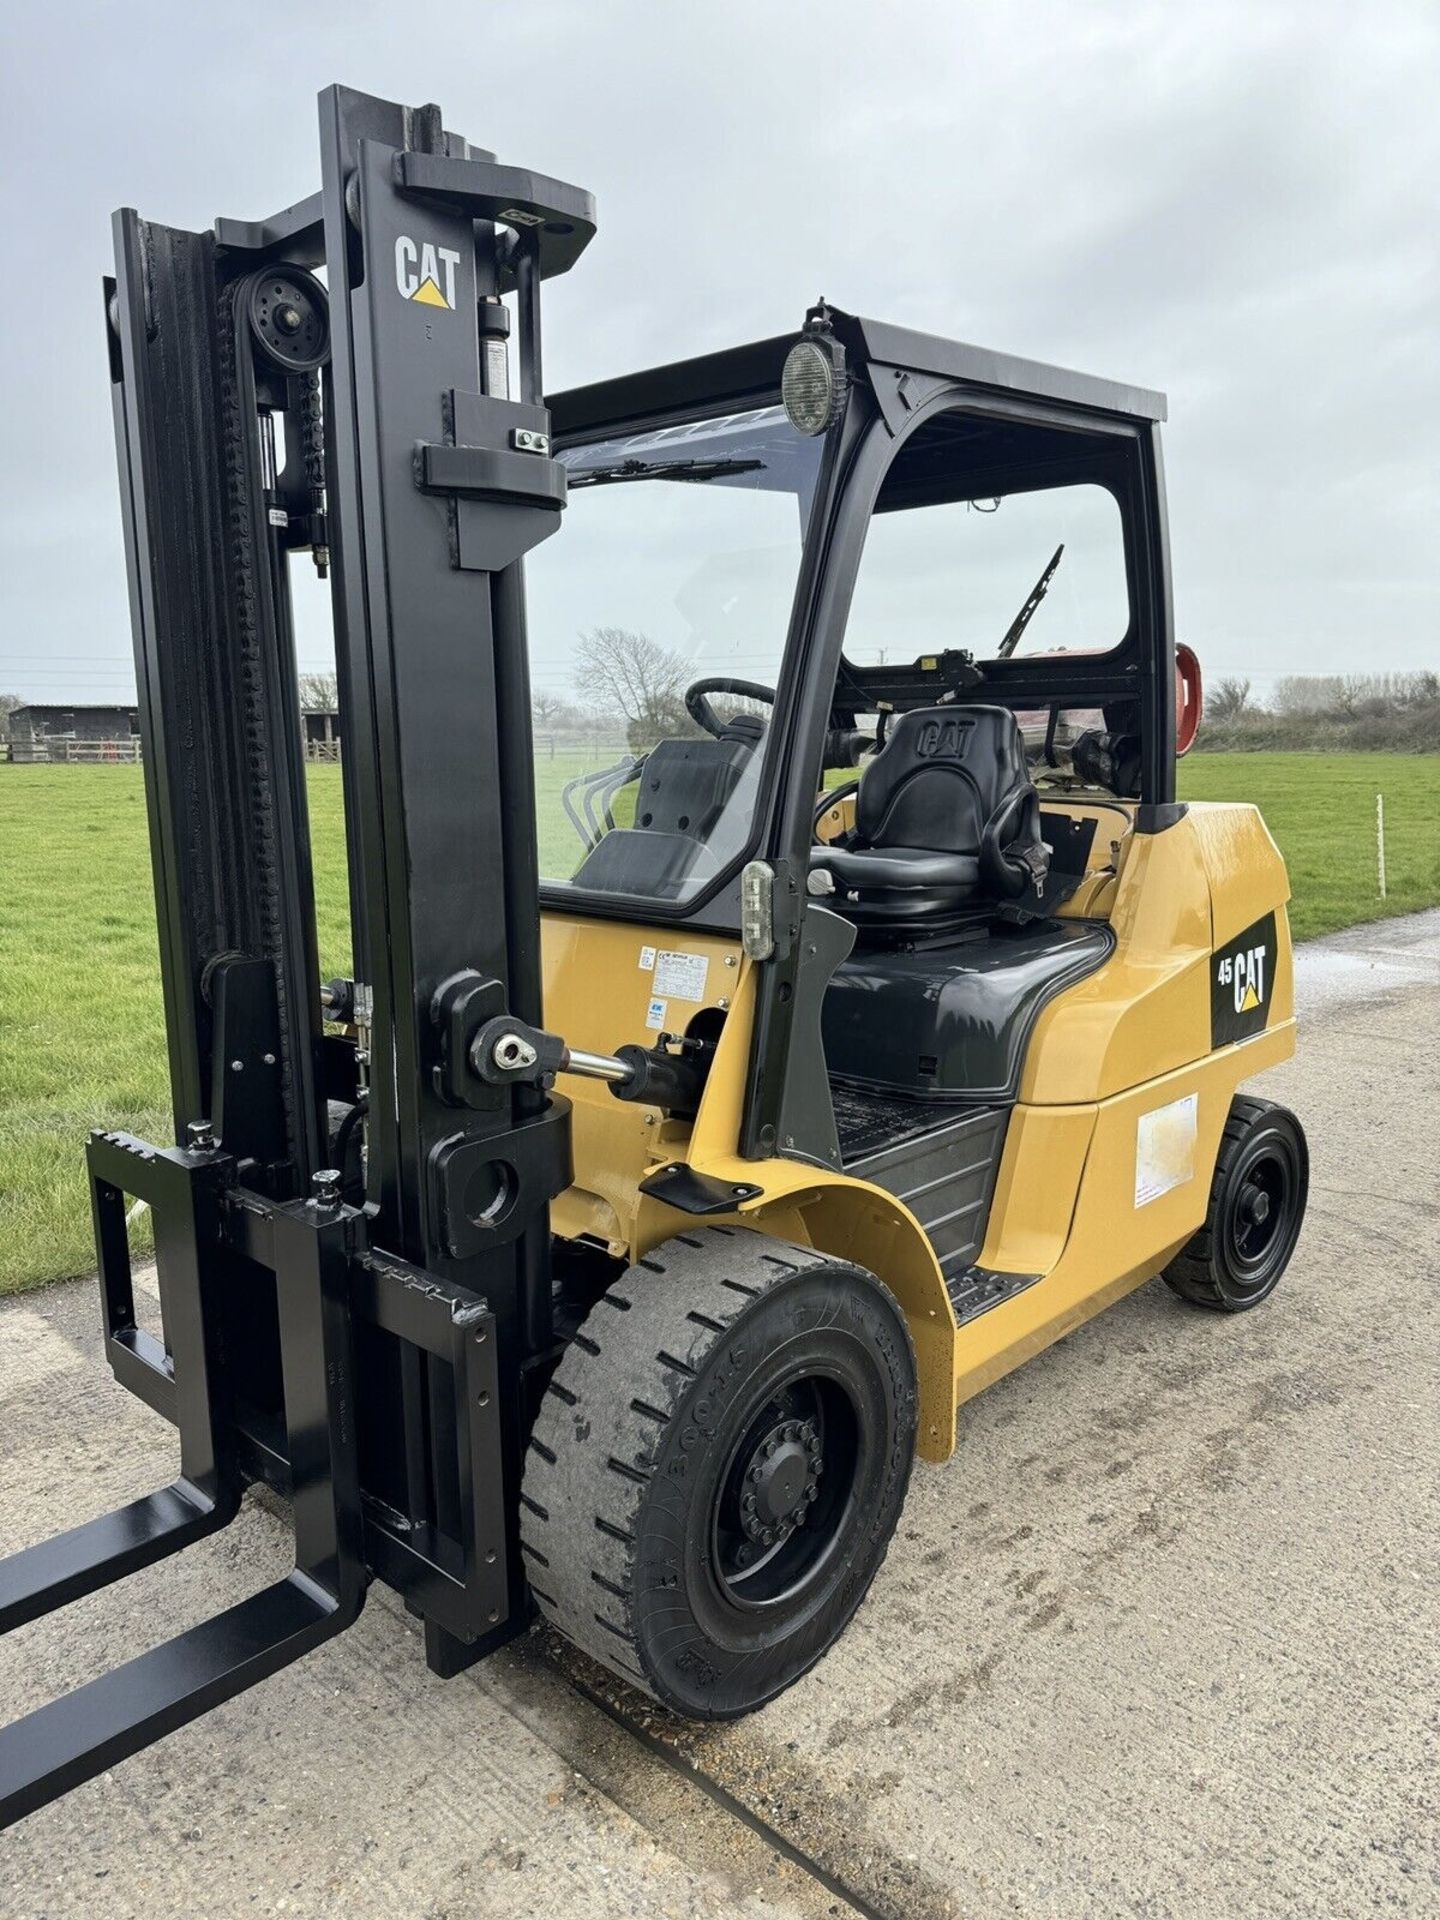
1255	1207
781	1480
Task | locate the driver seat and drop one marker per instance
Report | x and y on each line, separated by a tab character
946	821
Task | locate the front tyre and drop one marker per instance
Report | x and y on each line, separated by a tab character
1257	1206
718	1466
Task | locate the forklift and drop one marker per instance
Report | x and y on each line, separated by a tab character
703	1120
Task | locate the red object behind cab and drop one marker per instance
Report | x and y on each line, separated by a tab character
1189	698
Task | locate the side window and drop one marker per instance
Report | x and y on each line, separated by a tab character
950	562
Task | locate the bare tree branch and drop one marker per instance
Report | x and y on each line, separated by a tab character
1228	700
319	693
628	672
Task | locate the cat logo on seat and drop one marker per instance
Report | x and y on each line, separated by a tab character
1241	983
938	739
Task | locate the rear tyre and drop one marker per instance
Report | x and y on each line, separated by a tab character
718	1466
1257	1206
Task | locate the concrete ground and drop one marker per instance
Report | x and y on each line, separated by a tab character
1162	1639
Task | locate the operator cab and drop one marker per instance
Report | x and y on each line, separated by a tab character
890	616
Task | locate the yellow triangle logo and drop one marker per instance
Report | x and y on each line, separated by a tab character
1251	1000
429	295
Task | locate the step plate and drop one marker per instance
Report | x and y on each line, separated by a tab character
974	1290
939	1159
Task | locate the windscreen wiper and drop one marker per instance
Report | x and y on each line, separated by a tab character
1022	619
624	470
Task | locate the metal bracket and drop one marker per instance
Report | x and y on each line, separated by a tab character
490	473
497	455
246	1107
452	1564
556	219
681	1187
476	1183
459	1008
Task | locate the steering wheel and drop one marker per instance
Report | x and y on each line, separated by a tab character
697	700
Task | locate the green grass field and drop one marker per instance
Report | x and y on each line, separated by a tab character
82	1040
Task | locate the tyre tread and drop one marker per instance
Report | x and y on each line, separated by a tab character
597	1440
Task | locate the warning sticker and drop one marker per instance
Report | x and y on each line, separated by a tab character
1165	1148
655	1016
681	976
647	959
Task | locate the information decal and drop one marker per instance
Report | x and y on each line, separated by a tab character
681	976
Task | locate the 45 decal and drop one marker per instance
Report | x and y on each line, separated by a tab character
1242	980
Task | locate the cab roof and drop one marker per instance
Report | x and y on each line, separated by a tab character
734	373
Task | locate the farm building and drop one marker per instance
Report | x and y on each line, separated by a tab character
40	733
322	733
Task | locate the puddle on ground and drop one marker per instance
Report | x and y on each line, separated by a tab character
1367	963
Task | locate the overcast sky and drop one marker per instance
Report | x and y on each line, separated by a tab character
1237	205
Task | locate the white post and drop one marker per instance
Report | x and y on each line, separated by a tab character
1380	840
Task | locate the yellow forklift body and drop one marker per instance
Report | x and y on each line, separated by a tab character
1077	1200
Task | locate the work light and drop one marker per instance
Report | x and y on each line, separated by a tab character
810	385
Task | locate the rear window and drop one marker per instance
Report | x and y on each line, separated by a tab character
960	573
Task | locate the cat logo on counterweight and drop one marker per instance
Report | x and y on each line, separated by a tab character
1241	981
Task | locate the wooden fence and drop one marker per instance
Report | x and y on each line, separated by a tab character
61	750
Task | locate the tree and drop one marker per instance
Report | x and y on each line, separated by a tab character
1229	700
633	675
1307	693
8	704
554	710
319	693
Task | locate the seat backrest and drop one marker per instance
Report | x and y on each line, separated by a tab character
942	773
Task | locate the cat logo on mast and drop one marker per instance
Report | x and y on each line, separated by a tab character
426	273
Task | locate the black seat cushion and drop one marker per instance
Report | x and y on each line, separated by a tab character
946	818
901	867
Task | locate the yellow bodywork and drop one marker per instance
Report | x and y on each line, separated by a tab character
1107	1061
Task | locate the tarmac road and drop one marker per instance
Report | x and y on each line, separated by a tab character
1162	1639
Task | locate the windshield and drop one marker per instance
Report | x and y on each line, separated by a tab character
675	564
